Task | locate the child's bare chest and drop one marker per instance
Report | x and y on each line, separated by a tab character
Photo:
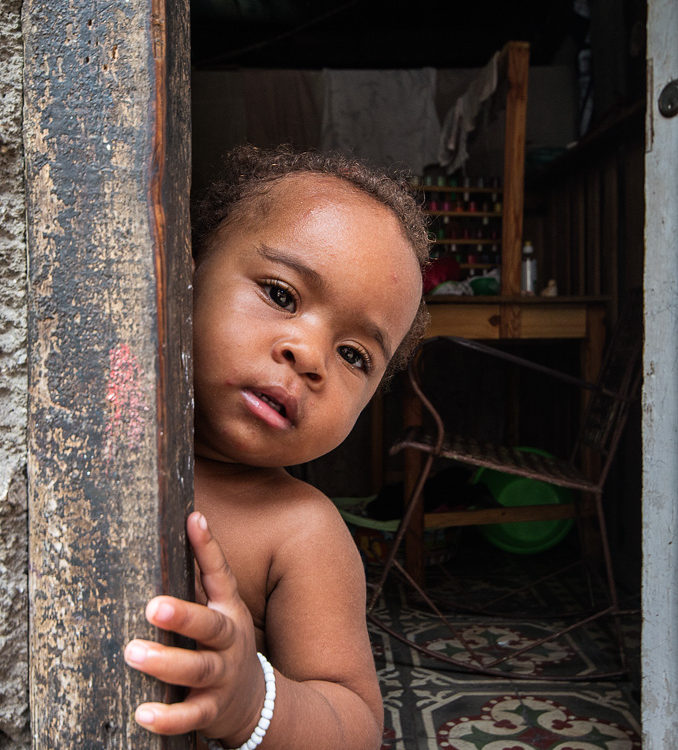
248	554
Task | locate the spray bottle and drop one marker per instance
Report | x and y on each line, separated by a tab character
528	276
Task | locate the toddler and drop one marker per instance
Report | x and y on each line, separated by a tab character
307	291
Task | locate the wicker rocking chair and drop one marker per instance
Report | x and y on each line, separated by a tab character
606	413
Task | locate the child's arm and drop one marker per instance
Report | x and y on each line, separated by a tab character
327	695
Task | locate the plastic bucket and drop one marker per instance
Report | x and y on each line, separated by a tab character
524	537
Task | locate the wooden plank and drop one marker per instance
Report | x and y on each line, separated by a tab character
517	56
110	447
564	231
510	325
376	408
554	240
591	361
553	322
593	249
414	461
580	236
610	250
484	516
472	321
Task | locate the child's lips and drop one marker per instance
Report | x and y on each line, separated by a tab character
273	405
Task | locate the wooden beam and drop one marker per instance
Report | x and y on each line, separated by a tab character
484	516
516	58
110	426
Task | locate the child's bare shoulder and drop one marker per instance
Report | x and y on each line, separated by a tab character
315	624
308	540
311	519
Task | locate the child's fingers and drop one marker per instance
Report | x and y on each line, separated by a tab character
178	666
217	579
209	627
196	712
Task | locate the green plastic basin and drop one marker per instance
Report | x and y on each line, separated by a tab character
525	537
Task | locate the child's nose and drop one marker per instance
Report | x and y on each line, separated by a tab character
306	358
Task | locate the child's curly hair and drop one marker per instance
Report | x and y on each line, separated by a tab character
248	173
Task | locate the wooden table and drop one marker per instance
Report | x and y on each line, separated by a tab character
495	319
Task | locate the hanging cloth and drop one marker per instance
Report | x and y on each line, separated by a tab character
460	119
386	117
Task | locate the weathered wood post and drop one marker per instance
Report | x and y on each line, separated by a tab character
110	436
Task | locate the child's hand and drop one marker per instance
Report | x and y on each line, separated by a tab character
224	675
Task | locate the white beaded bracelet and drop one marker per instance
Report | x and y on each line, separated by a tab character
266	712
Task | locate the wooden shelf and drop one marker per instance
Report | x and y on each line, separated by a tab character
513	68
465	241
432	299
465	214
459	189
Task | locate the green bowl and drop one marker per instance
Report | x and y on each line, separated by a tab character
484	285
525	537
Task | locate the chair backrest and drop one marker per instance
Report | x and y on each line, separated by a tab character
618	386
609	399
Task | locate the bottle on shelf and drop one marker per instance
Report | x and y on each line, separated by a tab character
528	276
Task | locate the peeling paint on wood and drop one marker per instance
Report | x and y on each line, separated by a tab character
110	464
127	402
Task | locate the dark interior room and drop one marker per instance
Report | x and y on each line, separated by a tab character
553	158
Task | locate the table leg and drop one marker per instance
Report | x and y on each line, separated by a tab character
414	537
591	354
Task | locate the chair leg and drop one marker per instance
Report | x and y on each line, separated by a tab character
612	587
476	664
417	497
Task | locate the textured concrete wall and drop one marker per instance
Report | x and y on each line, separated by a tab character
13	528
659	655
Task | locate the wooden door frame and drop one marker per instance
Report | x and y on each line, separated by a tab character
107	147
104	448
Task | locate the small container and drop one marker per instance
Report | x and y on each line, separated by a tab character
528	276
453	183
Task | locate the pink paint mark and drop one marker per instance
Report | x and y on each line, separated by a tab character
126	400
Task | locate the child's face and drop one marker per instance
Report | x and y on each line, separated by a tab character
296	314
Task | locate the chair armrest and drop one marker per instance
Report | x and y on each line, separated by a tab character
498	354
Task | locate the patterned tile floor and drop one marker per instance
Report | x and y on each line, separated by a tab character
431	705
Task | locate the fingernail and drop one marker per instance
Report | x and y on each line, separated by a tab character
135	653
144	716
157	610
202	522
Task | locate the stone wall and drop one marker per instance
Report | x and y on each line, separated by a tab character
14	731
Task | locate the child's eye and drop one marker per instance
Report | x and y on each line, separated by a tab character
281	295
355	357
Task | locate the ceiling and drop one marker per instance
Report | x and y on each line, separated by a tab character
373	33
